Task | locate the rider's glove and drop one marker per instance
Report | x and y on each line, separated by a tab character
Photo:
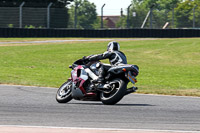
85	59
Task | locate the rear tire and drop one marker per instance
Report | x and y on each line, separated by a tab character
116	94
64	93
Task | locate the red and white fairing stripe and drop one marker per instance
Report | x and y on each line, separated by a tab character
82	78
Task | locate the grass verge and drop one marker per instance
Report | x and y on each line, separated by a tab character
167	66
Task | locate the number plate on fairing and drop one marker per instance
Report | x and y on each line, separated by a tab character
132	78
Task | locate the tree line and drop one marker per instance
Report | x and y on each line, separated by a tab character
178	13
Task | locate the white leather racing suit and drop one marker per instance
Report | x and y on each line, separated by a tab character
115	57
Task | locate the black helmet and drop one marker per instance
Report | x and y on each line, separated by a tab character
113	46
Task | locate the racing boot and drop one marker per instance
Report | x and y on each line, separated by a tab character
100	79
101	84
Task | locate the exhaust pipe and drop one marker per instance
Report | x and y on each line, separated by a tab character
131	90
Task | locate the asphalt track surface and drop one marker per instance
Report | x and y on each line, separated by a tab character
37	107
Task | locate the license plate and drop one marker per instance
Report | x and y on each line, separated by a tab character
132	78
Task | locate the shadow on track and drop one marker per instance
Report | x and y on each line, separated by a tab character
134	105
113	105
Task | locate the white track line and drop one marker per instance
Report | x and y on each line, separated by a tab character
103	129
81	40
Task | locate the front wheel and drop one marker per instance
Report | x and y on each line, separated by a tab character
118	90
64	92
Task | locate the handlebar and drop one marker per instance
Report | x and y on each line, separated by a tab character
81	62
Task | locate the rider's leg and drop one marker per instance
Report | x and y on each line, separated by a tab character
102	72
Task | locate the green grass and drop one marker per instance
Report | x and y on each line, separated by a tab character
167	66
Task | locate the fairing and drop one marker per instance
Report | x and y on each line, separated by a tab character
79	76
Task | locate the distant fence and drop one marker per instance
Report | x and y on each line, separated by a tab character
11	17
155	33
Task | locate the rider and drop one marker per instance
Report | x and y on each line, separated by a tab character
115	56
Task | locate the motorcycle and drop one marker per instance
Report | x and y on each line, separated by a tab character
82	85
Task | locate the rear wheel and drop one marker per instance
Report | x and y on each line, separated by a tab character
64	92
118	87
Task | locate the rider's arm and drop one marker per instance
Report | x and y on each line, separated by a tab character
97	57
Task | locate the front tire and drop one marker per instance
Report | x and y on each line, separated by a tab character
116	94
64	93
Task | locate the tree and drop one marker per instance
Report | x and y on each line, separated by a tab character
97	23
122	23
184	14
168	4
197	13
86	14
35	3
135	21
141	10
161	11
